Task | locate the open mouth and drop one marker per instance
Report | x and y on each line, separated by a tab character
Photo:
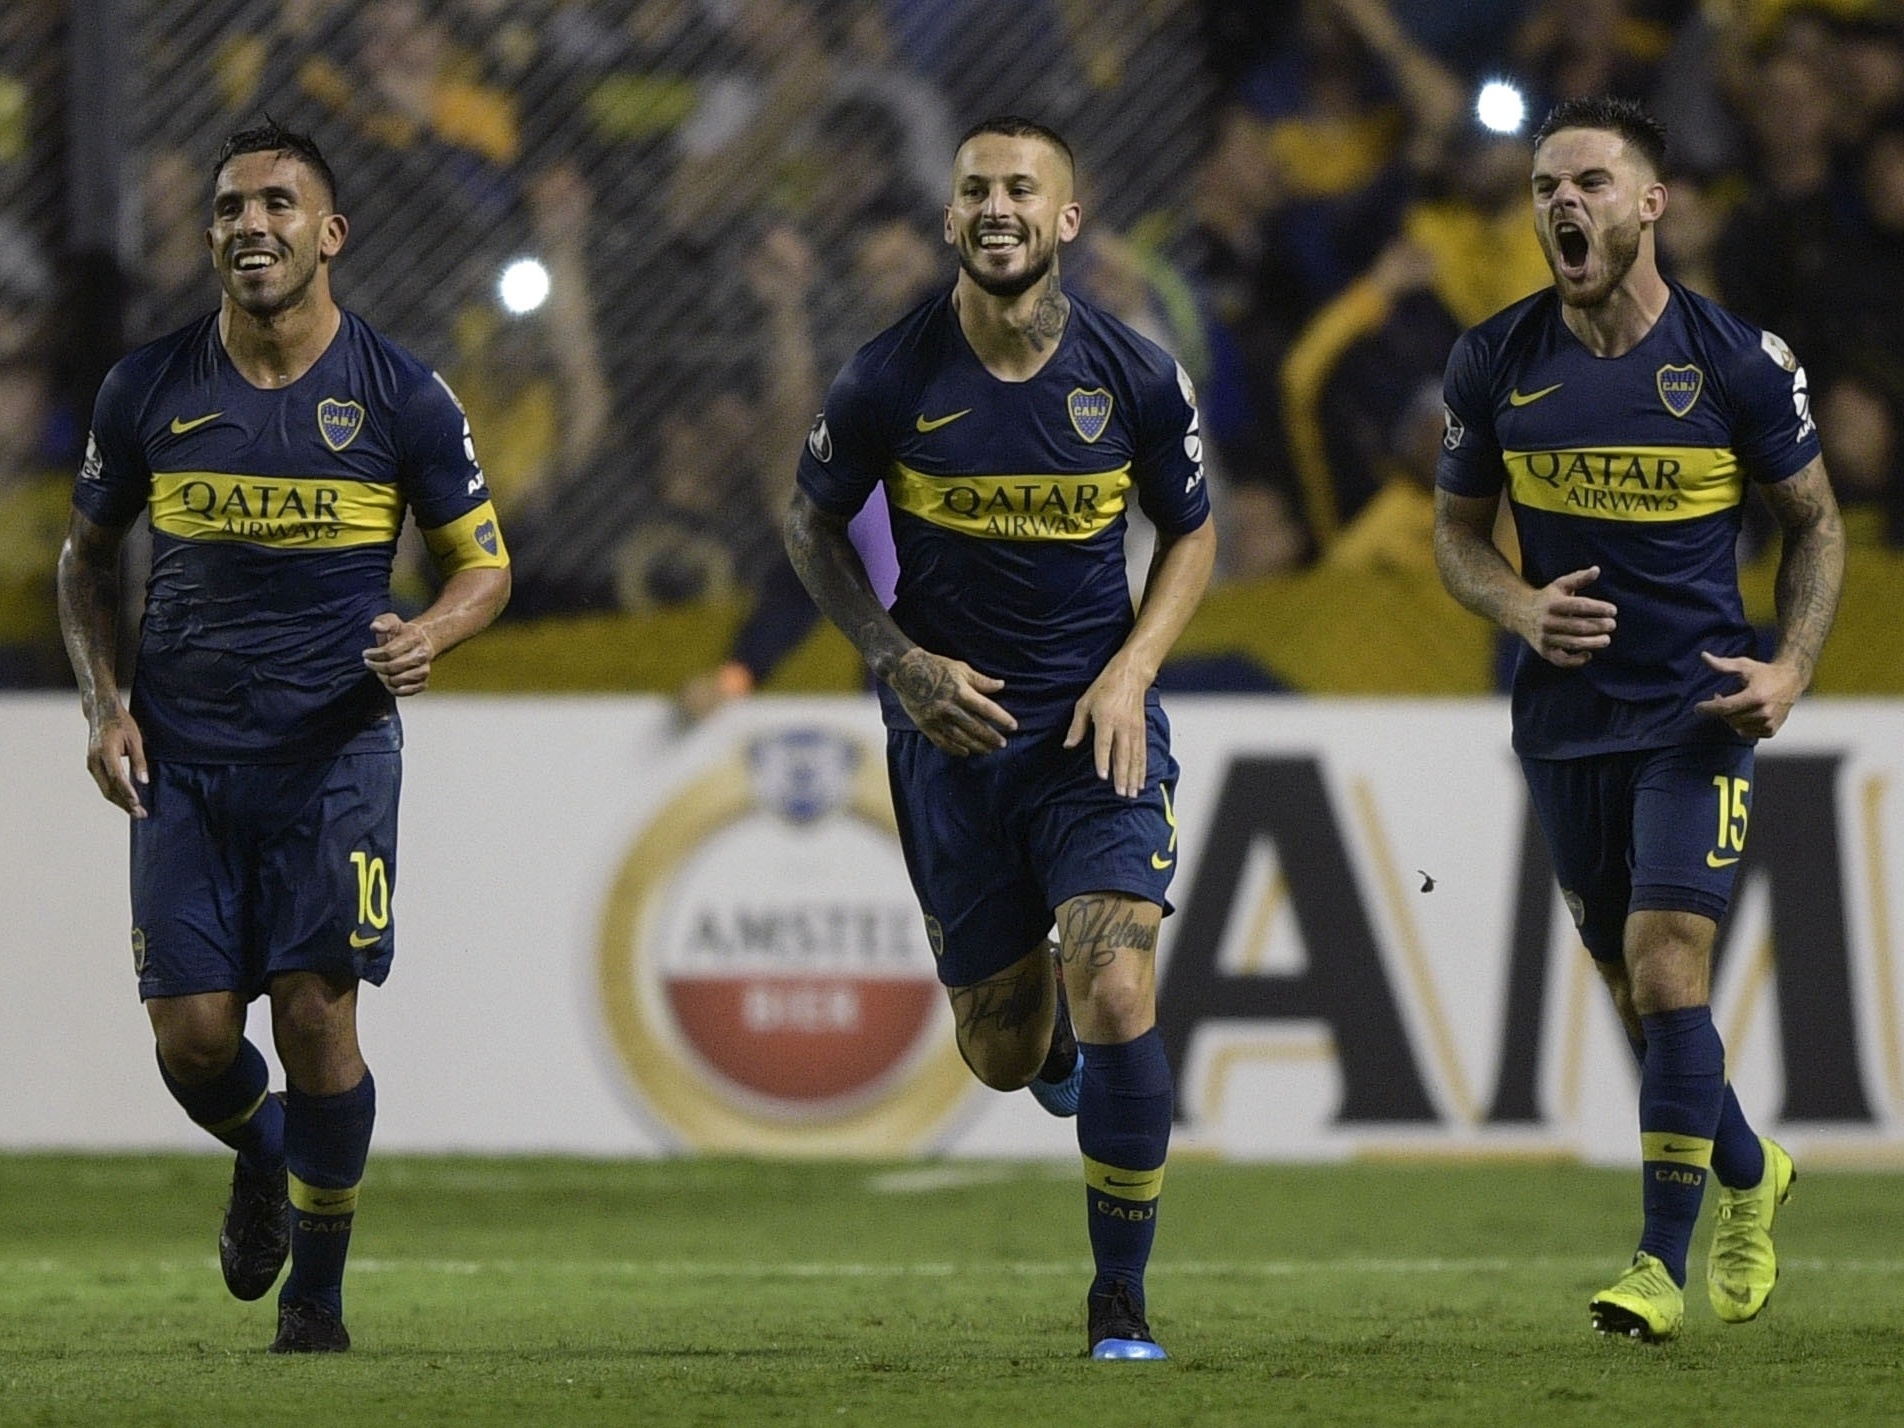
1571	243
998	240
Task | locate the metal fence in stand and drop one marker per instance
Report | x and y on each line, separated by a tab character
725	196
32	153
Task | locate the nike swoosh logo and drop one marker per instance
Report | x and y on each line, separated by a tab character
923	425
1713	860
320	1203
361	942
179	427
1160	862
1517	398
1110	1184
1670	1149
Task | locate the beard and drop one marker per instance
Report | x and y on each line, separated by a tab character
267	304
1008	287
1622	250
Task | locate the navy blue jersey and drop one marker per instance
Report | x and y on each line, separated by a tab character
1636	464
275	515
1008	499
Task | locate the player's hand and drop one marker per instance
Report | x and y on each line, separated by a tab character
1766	694
1113	709
115	757
947	700
401	657
1565	627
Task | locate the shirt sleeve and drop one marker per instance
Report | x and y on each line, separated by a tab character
1773	434
1168	466
846	455
114	480
444	483
1470	455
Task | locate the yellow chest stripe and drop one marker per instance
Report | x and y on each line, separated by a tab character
287	512
1038	507
1627	483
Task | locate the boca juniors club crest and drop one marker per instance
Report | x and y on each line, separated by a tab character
1679	388
339	422
1090	411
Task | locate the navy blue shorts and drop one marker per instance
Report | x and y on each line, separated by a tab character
1650	830
995	843
241	871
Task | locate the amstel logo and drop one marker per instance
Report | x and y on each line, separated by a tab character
763	965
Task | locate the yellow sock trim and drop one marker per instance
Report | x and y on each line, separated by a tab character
1124	1184
322	1199
231	1123
1678	1149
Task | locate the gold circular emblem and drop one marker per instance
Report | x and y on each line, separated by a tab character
763	984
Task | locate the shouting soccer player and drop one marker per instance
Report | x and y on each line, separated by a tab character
1029	758
1623	415
276	444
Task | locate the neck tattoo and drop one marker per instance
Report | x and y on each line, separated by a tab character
1047	318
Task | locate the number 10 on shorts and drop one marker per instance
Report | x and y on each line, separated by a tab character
373	890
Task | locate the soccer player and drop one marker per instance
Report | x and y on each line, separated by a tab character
1011	424
276	444
1623	415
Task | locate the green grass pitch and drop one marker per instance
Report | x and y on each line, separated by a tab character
732	1292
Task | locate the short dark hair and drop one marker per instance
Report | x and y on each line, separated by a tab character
271	137
1016	126
1625	117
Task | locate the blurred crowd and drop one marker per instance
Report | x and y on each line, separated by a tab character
1295	197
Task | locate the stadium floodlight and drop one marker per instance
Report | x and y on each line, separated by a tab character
524	286
1500	107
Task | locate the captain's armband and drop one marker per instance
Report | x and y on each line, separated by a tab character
472	542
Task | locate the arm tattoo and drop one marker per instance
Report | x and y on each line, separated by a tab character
922	682
89	609
836	578
1471	566
1009	1002
1096	929
1811	564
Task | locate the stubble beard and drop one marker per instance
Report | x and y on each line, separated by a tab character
1010	287
267	309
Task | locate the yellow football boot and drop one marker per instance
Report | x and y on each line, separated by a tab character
1742	1266
1643	1303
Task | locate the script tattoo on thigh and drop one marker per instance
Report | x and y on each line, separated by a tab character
1096	929
1009	1002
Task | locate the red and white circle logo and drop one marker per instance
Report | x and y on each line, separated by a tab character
763	964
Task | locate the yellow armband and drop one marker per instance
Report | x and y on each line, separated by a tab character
472	543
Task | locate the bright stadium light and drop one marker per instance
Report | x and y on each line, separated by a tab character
524	286
1500	107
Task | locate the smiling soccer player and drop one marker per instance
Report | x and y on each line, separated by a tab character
276	445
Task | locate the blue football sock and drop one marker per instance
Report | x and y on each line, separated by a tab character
1738	1156
1124	1110
1738	1159
326	1142
1682	1088
234	1106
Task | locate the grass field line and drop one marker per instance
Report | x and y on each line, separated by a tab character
930	1269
